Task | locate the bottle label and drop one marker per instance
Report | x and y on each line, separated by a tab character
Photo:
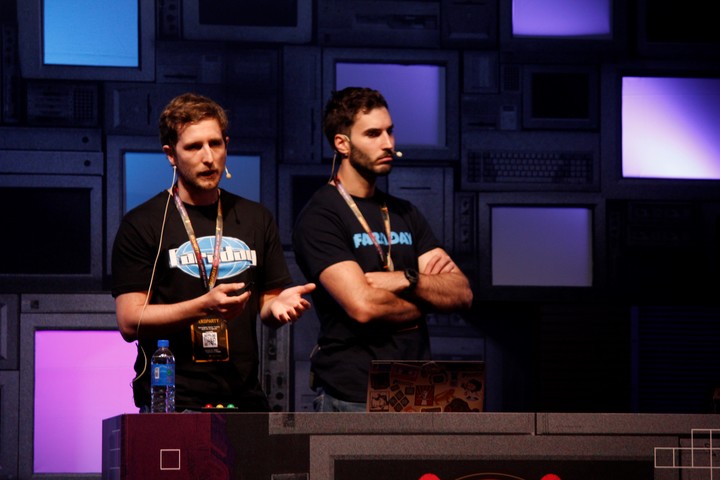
162	375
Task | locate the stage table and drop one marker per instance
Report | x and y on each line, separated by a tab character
398	446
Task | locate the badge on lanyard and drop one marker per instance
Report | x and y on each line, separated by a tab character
210	334
210	340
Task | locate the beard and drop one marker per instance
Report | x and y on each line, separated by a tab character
199	183
365	166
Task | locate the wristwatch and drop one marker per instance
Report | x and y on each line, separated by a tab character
412	276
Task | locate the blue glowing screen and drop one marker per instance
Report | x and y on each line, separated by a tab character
415	95
149	173
542	246
562	18
101	33
669	128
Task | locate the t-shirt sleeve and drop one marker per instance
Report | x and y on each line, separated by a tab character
132	259
319	240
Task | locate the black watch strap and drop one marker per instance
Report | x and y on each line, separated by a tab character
412	276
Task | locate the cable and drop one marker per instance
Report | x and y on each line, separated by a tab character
332	167
152	277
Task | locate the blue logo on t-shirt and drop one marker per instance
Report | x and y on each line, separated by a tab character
397	238
235	257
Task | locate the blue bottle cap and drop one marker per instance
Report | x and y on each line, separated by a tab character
163	343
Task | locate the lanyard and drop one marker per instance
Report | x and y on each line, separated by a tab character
208	283
385	259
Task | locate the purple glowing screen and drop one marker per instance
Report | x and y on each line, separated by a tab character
415	95
541	246
669	128
562	18
81	378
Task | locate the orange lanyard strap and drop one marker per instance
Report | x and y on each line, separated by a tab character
386	259
208	283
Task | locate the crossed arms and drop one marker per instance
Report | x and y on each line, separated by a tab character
372	296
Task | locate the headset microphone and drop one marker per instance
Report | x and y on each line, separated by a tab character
227	173
398	153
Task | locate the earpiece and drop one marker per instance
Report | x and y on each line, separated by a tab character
227	173
347	139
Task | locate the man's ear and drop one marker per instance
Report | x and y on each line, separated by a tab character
170	154
342	144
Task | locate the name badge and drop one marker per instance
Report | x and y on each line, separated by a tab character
210	340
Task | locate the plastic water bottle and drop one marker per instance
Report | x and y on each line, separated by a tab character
162	379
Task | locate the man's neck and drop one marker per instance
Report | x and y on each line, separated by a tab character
355	184
198	198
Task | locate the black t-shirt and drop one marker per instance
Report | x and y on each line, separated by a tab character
327	232
250	251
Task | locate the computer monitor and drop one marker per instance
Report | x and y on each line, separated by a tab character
75	371
657	131
560	97
545	247
88	40
589	26
86	375
57	218
666	29
562	18
669	127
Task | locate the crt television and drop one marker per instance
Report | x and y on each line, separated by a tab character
658	132
670	30
560	97
571	26
540	246
87	39
421	88
51	206
75	371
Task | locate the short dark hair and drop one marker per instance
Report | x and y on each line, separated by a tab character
344	105
186	109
